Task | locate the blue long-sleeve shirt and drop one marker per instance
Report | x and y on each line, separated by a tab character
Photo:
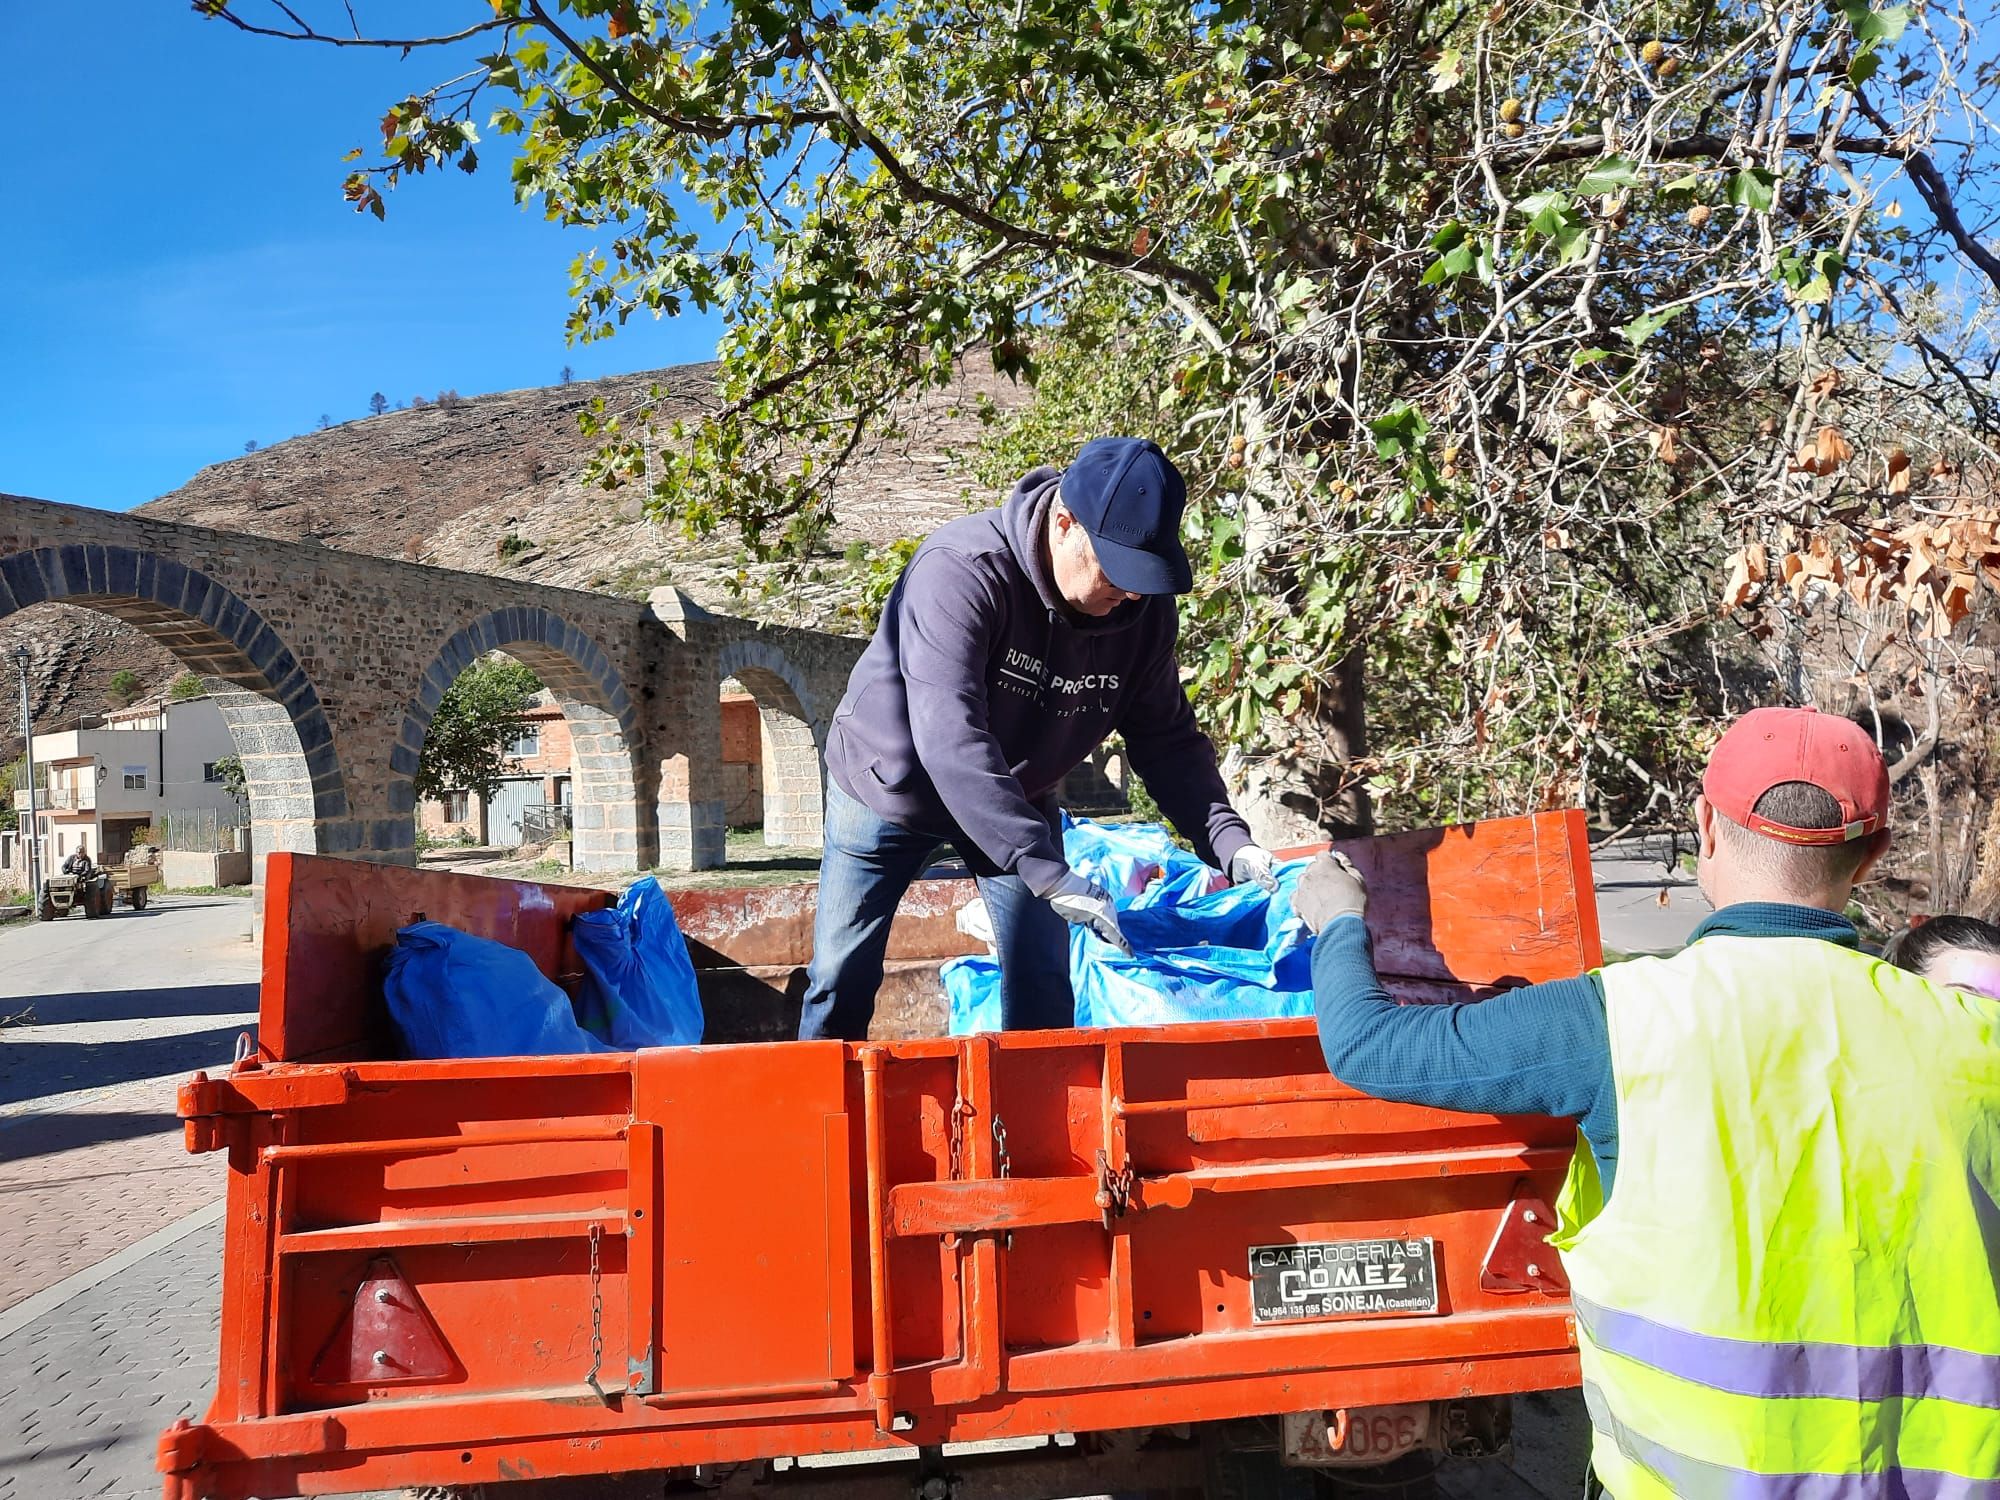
1543	1049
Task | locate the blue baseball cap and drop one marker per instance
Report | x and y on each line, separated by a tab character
1129	497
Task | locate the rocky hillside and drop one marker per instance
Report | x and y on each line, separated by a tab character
493	484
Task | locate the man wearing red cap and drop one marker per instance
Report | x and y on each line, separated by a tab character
1795	1291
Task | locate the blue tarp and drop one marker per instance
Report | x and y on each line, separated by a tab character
638	982
1202	951
455	995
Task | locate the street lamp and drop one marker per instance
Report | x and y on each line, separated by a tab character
34	840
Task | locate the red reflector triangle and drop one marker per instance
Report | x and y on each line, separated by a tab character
387	1336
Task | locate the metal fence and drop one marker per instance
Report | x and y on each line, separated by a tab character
203	830
544	822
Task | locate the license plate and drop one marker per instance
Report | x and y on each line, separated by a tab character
1357	1435
1343	1279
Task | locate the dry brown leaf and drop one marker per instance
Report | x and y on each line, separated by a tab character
1665	898
1602	412
1555	539
1142	241
1899	472
1747	569
1792	571
1832	449
1824	384
1955	602
1661	441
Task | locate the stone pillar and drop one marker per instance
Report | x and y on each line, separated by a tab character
792	770
603	817
687	735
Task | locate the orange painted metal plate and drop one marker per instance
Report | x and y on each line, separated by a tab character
651	1260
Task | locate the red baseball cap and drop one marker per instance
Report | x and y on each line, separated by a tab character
1768	747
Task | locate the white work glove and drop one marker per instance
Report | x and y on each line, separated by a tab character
1331	887
1253	865
1084	904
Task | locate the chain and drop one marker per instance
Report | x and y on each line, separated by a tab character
1003	1162
596	1317
960	1113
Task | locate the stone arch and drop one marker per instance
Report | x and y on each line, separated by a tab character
585	684
297	793
794	736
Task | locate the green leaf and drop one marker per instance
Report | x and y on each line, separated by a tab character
1609	175
1753	188
1582	357
1867	63
1646	325
1398	432
1872	26
1470	576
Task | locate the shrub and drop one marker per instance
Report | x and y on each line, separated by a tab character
186	686
511	546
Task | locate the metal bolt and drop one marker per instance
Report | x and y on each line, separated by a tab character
1533	1269
382	1355
382	1294
1529	1216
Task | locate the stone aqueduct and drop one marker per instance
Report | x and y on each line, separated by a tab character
328	666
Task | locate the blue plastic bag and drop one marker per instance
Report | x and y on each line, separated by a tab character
455	995
638	982
1202	951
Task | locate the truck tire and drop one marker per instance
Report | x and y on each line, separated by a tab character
46	912
138	898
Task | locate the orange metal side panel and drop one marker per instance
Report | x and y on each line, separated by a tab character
652	1260
754	1218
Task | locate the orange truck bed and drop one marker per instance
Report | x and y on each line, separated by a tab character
465	1272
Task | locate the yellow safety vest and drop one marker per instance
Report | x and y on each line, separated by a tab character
1794	1292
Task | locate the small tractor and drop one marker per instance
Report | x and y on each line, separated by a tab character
94	891
63	894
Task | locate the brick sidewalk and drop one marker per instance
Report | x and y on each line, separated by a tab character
80	1184
93	1383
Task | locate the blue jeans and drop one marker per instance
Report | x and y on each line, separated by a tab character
867	864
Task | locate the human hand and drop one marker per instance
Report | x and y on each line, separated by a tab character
1083	904
1331	887
1253	864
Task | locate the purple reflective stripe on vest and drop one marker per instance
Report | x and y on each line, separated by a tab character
1698	1479
1850	1372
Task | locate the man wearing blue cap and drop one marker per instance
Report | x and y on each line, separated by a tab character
1015	642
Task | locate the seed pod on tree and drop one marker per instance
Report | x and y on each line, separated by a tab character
1510	111
1514	130
1653	53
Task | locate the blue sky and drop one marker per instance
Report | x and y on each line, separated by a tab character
180	274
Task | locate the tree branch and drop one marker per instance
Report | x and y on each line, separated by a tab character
305	33
708	127
1148	268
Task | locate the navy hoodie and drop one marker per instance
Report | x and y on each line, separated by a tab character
982	690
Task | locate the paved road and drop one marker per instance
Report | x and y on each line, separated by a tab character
109	1236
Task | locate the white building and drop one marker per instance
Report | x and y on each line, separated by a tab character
96	787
